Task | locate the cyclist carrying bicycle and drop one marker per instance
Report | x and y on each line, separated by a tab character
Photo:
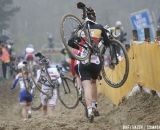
25	97
48	93
89	69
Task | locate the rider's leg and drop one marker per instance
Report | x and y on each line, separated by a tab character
88	95
44	103
52	102
50	110
94	90
24	110
28	107
94	98
4	67
79	86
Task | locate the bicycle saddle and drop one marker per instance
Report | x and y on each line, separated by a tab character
80	5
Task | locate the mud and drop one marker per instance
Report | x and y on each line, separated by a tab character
141	110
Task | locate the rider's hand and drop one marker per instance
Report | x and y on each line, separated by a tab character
73	42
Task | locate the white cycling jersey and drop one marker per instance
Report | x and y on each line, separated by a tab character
54	74
29	50
52	92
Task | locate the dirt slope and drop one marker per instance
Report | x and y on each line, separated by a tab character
141	109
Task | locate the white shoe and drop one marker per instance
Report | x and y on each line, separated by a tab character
29	114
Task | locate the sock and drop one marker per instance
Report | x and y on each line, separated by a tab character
94	104
29	111
89	110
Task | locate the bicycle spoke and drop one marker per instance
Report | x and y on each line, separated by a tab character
68	93
116	65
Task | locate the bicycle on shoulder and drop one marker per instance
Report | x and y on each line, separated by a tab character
30	84
115	67
66	90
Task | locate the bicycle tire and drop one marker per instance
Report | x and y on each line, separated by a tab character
37	86
68	93
115	80
65	39
36	101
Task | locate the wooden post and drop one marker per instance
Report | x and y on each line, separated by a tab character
147	34
135	35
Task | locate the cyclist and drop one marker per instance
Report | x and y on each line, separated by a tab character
25	97
29	52
50	41
49	93
5	57
89	71
30	58
119	29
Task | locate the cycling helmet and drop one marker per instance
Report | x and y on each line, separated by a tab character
50	38
21	65
118	24
30	46
91	14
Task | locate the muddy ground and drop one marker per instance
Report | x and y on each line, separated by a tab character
140	111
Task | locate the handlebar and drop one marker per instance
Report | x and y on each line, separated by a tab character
82	6
59	68
39	55
42	58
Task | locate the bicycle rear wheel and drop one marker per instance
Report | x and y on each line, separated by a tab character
69	27
68	93
115	64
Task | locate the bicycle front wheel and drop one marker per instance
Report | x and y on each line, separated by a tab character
69	27
68	93
115	68
36	101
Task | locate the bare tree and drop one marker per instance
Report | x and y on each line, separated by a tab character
6	11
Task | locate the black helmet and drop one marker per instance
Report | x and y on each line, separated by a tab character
91	14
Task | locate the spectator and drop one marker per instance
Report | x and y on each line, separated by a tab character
5	57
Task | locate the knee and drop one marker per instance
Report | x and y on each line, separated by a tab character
93	81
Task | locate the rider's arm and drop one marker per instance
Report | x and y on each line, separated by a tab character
38	75
105	37
72	42
15	82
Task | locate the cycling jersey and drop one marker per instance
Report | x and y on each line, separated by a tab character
54	75
29	56
24	95
46	88
97	34
92	70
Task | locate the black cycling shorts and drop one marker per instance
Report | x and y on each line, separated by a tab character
89	71
76	69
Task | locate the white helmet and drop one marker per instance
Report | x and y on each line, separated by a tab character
118	24
21	65
30	46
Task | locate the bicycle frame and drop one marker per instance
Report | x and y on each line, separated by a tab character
86	29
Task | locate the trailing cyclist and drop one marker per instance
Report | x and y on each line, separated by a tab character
48	92
25	97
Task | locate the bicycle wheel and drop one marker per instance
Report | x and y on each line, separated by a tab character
69	27
115	64
36	102
68	93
